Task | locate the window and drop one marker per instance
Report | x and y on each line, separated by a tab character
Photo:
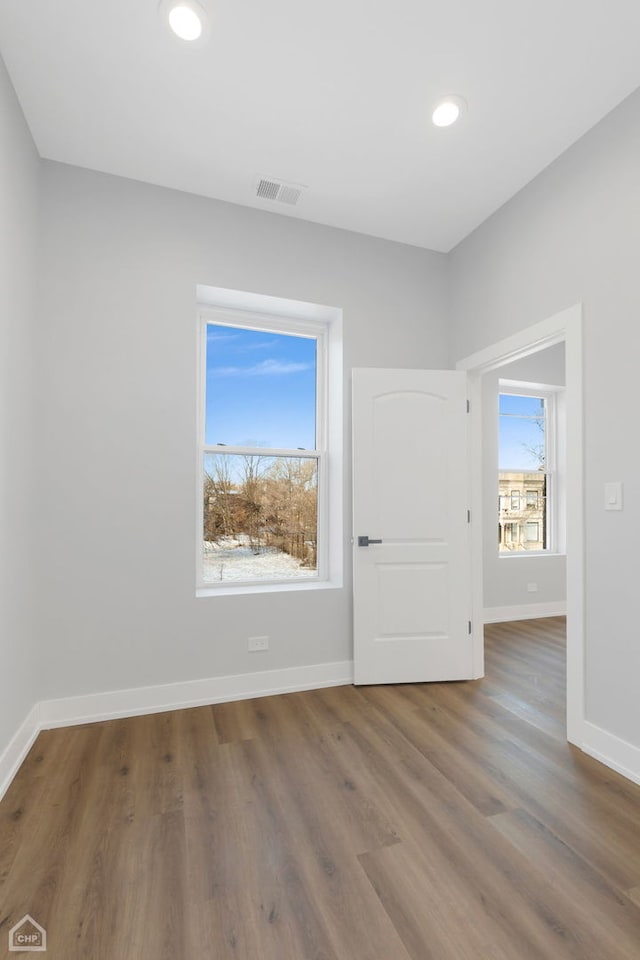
263	460
526	470
532	531
510	532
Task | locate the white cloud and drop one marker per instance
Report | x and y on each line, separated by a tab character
220	337
261	345
267	368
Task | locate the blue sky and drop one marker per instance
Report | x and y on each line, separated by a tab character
261	389
518	429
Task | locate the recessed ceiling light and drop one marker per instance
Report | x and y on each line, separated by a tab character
447	111
186	18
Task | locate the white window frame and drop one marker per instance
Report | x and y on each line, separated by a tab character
328	450
554	402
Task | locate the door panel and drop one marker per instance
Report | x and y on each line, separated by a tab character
397	451
412	597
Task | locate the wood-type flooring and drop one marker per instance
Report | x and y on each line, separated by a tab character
446	821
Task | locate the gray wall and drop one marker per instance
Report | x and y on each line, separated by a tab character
121	261
506	578
546	366
574	235
18	503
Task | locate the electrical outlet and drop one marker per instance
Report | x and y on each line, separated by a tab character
532	587
258	643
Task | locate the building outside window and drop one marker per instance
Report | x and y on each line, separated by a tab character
521	516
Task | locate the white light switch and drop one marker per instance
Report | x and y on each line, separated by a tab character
613	495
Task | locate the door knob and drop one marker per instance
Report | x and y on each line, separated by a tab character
365	541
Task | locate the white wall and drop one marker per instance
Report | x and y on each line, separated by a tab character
18	495
506	577
574	235
121	261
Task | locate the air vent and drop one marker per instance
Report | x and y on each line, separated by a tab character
270	189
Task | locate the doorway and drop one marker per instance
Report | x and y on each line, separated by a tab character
562	327
524	488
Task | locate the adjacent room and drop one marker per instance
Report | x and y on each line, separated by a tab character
317	630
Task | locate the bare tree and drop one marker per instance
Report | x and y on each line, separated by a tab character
219	496
251	489
273	502
537	451
293	506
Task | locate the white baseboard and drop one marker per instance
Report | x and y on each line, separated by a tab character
526	611
621	756
159	699
191	693
95	707
12	757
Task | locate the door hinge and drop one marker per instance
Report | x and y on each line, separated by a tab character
468	516
468	406
469	627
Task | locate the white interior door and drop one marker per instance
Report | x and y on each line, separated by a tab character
412	582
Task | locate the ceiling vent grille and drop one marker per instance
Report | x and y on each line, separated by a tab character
270	189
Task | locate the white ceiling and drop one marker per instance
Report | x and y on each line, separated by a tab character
336	95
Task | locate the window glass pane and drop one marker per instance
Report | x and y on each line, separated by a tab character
522	458
521	433
522	510
260	518
260	389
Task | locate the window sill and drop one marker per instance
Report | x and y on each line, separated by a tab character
513	554
242	589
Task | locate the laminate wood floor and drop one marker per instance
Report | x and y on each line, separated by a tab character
442	821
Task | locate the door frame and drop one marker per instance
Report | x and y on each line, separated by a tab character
566	327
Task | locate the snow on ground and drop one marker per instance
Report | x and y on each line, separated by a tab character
231	560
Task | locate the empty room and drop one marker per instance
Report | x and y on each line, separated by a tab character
317	625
